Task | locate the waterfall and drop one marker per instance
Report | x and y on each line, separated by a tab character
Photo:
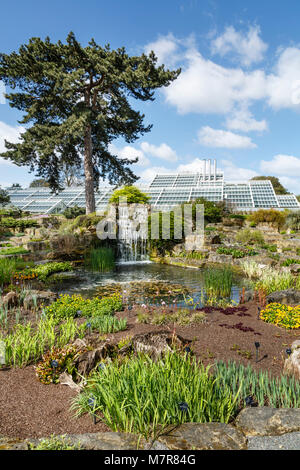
132	232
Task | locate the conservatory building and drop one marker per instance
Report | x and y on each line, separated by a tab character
165	191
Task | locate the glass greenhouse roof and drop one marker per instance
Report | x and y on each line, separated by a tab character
165	191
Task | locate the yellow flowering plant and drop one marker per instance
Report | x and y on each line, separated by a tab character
282	315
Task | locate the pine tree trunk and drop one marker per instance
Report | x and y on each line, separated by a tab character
88	172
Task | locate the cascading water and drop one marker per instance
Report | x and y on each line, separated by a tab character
132	233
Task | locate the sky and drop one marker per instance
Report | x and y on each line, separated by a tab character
237	98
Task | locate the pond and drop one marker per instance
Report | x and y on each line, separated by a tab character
141	282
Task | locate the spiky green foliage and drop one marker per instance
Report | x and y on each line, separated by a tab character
77	100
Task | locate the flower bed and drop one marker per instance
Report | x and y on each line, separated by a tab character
282	315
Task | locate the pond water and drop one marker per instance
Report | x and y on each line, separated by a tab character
141	282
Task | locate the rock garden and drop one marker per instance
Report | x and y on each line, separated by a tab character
192	349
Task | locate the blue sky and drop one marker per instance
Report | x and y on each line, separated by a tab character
236	100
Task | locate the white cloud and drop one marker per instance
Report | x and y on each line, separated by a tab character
243	120
248	47
286	165
163	151
204	86
11	134
194	166
283	87
129	153
164	48
224	139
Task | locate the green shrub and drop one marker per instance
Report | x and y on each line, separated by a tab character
7	270
249	236
132	194
10	222
293	220
73	212
235	252
289	261
141	396
27	343
271	216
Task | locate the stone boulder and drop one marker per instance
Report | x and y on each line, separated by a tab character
206	436
219	259
292	363
264	421
287	296
10	300
212	238
37	298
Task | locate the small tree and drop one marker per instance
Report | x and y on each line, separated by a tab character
78	100
39	183
4	197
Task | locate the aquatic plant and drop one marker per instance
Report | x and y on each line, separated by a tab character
218	282
101	259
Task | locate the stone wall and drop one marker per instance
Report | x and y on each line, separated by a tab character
262	428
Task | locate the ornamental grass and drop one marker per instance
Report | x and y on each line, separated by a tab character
143	396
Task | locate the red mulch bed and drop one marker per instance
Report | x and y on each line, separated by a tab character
31	409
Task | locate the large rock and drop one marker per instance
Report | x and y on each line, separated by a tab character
106	441
220	259
207	436
289	441
155	343
37	297
292	363
287	296
263	421
10	300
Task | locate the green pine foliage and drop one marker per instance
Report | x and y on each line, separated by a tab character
75	101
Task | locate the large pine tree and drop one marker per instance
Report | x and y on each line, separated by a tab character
75	101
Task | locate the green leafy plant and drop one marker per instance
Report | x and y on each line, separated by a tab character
236	253
140	395
67	306
63	357
55	443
